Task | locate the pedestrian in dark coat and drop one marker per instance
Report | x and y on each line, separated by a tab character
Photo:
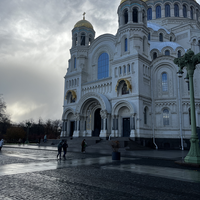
83	145
59	150
65	146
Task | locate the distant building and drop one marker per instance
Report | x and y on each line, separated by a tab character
126	84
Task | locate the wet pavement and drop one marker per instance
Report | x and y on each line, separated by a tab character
28	173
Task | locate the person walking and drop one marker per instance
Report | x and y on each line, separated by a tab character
1	144
65	146
83	145
59	150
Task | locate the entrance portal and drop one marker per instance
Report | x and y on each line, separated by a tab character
126	127
72	127
97	123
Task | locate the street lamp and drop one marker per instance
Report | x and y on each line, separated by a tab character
28	125
189	60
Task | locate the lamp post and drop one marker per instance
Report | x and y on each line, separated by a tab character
189	60
28	125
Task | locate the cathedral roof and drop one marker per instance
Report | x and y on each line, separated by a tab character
156	27
122	1
161	45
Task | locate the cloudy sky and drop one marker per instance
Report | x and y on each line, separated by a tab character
35	38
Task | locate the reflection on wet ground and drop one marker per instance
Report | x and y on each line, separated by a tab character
171	173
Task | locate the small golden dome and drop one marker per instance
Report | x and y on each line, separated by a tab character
83	22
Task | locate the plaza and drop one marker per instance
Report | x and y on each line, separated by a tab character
30	172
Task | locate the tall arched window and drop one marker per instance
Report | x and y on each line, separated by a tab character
135	15
149	14
126	16
165	117
179	54
145	115
158	12
154	55
184	11
129	68
75	63
167	10
161	37
164	82
167	53
82	39
103	66
75	40
197	15
191	13
126	44
149	36
124	69
176	10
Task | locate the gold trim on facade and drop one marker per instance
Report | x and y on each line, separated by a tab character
73	94
129	87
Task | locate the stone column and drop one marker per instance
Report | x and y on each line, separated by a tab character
77	125
180	12
116	126
130	16
153	13
66	133
104	116
132	122
172	11
113	126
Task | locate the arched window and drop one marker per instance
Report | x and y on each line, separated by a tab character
167	10
184	11
103	66
197	15
145	115
149	14
176	10
120	70
167	53
164	82
126	16
135	15
170	39
75	40
124	69
161	37
129	68
90	39
149	36
126	45
82	39
165	117
125	89
191	13
158	12
179	54
75	63
154	55
189	116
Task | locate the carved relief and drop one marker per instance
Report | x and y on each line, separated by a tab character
103	114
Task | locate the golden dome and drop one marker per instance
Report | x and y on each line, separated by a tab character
84	23
122	1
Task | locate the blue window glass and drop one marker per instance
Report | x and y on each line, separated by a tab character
184	11
165	117
158	12
149	36
126	45
103	66
161	37
167	10
167	53
149	14
176	10
74	63
179	54
191	13
164	82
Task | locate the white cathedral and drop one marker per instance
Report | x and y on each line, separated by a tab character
126	85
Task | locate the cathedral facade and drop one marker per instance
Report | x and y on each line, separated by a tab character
126	85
